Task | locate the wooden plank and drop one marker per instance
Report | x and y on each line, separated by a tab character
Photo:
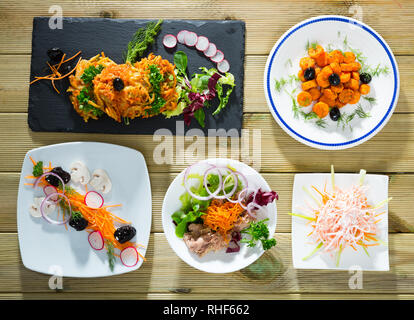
266	20
401	218
164	272
199	296
15	69
388	151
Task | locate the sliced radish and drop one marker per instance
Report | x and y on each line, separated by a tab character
211	50
49	190
93	200
218	57
223	66
169	41
202	43
190	39
129	256
181	36
96	240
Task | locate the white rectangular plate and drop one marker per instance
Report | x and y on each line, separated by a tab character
302	245
52	249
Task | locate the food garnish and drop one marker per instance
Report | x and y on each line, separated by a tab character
56	75
82	211
141	40
343	218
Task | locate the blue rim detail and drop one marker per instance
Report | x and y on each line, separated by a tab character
388	54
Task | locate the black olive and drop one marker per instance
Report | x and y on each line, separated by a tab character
55	54
309	74
125	233
66	69
78	223
118	84
54	181
365	78
335	114
334	79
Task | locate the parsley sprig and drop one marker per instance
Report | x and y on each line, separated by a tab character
38	169
258	231
155	78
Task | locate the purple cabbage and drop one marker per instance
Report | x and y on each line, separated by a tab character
263	198
234	242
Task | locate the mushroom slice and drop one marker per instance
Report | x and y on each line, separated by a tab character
100	181
34	209
80	173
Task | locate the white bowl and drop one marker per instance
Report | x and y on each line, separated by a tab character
284	59
51	249
220	261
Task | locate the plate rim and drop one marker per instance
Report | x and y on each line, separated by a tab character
21	180
323	145
271	232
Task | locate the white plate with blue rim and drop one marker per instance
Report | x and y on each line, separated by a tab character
51	249
358	122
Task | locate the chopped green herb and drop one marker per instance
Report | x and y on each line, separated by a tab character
258	231
90	73
84	97
155	79
38	169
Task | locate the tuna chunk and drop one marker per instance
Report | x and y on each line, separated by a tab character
201	240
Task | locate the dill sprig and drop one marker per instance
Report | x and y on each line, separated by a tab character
299	113
279	84
346	119
143	38
111	255
312	45
372	101
359	56
321	123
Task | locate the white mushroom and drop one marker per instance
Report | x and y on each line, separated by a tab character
79	173
34	209
100	181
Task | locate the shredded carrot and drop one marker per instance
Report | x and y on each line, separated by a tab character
221	217
56	75
31	159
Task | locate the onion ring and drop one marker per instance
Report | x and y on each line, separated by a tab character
49	219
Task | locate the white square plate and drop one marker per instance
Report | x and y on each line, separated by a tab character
47	248
302	245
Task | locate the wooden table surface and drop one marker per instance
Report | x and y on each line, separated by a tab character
164	275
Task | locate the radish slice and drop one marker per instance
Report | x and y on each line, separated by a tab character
202	43
96	240
211	50
49	190
190	39
94	200
169	41
223	66
218	57
181	36
129	256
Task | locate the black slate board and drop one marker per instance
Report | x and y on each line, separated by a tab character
50	111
